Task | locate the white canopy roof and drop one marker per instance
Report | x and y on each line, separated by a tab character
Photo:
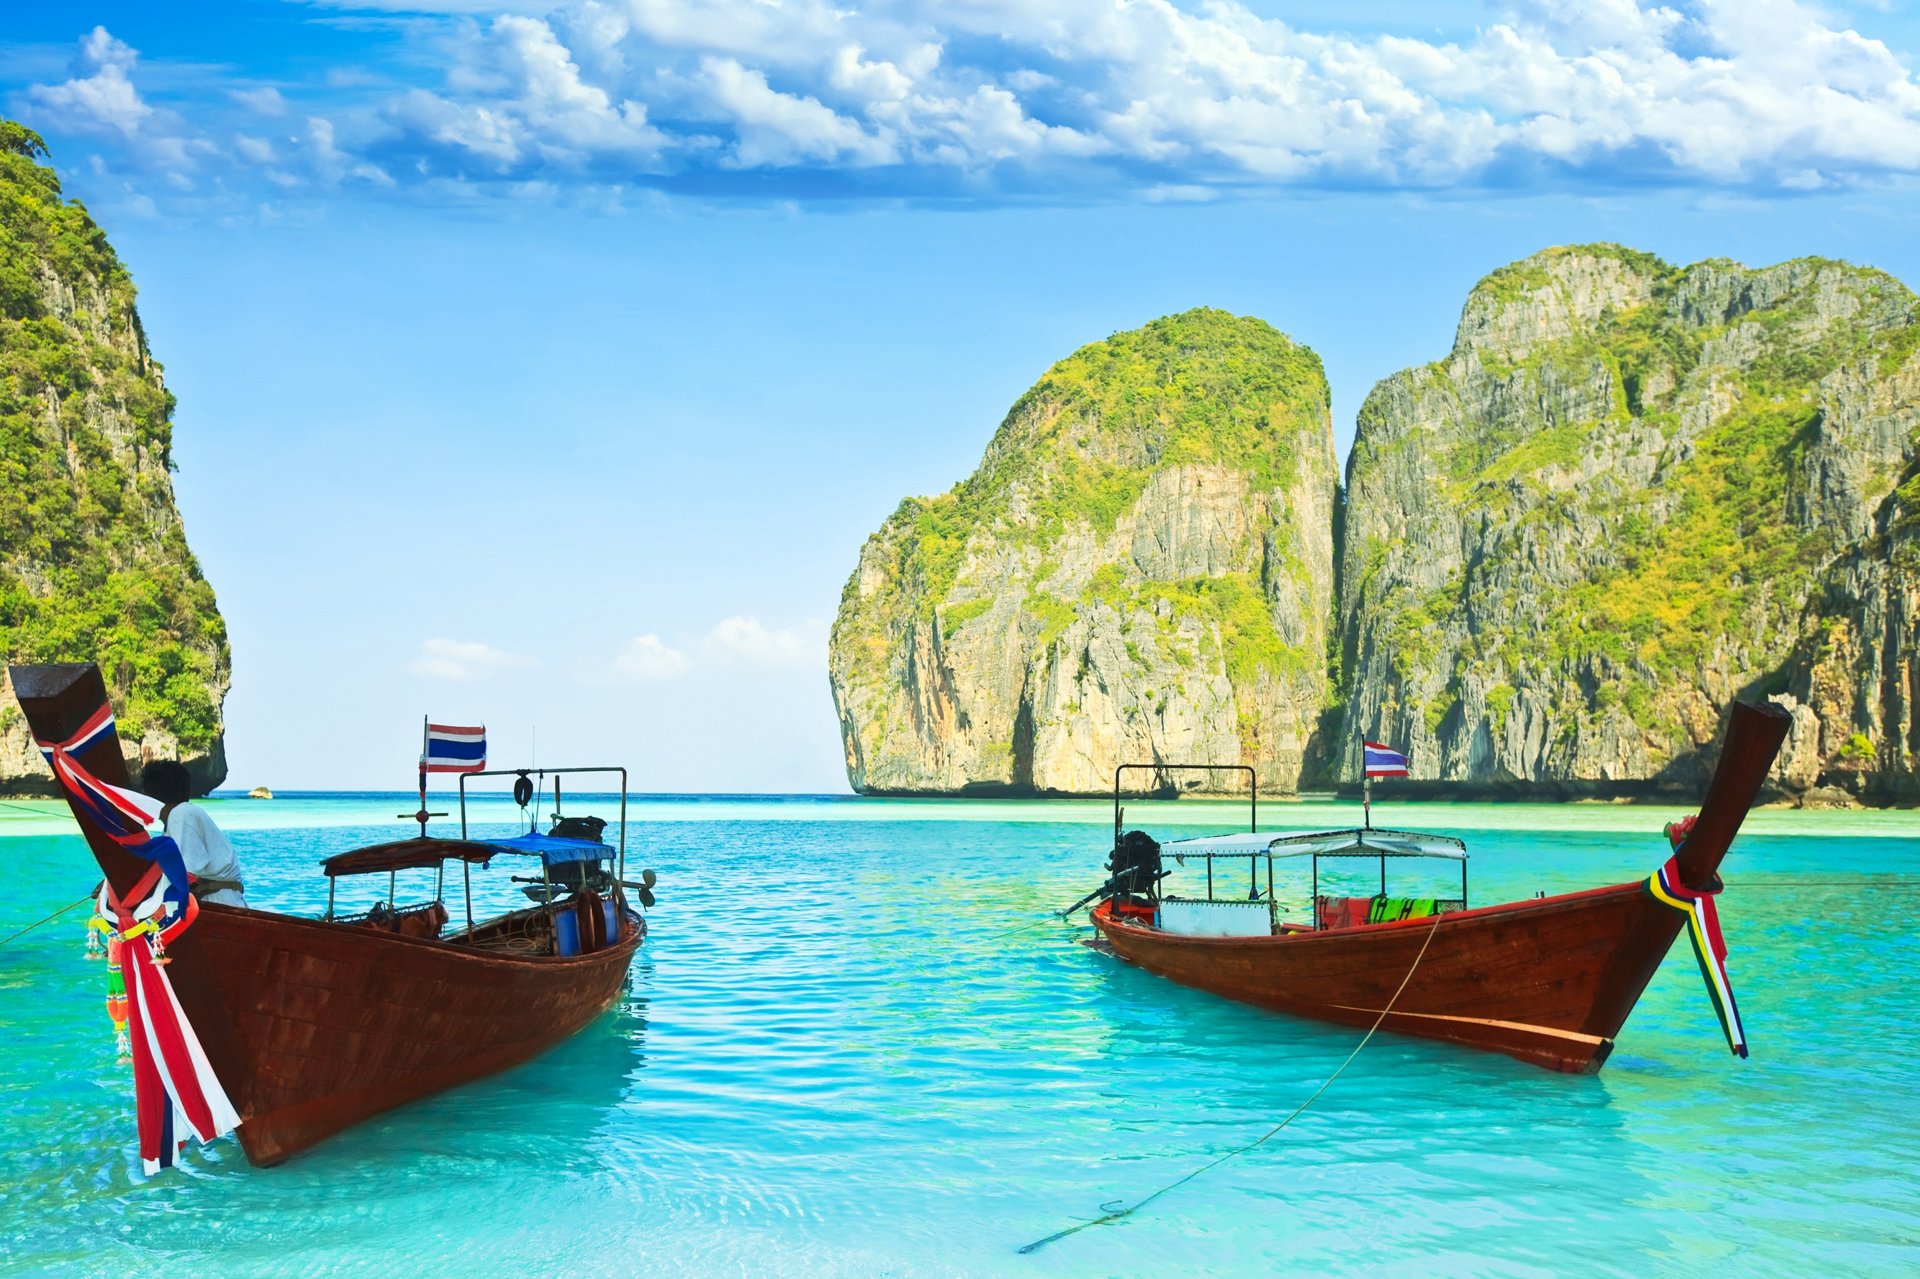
1328	843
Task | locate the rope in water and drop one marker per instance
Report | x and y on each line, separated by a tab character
48	920
1038	1244
1049	918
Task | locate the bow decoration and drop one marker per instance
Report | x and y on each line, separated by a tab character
1703	929
176	1093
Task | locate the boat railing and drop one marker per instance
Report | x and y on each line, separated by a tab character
555	773
1253	787
1367	846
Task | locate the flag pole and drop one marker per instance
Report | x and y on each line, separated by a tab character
421	816
1366	797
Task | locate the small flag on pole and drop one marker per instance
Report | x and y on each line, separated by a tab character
451	749
1383	762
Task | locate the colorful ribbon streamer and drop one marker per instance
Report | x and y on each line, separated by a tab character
1709	947
176	1092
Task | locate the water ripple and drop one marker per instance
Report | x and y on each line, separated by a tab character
859	1047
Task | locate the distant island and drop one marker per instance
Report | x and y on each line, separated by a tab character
1630	495
94	564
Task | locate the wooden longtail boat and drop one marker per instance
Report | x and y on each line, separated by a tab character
314	1025
1549	980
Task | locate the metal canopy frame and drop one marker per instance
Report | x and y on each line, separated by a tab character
1253	857
620	873
1253	787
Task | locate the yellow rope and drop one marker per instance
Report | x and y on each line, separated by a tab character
1038	1244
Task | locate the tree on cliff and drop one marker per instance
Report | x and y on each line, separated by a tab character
94	564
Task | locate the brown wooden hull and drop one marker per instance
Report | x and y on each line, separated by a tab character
313	1027
1549	981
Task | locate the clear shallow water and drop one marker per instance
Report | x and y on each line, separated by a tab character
833	1058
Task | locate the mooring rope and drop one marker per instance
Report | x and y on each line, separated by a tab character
1049	918
48	920
1038	1244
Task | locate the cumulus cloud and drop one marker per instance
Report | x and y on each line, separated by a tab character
749	640
1134	98
465	660
518	100
648	657
101	94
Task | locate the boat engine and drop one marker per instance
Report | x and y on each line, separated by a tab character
1136	866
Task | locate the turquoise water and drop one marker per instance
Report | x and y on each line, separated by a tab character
834	1058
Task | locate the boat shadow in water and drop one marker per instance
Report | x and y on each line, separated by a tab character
546	1113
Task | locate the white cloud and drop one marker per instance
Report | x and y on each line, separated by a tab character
464	660
1172	99
261	101
750	640
648	658
256	150
519	98
1147	98
101	94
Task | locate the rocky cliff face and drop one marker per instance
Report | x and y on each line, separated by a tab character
94	565
1141	569
1631	494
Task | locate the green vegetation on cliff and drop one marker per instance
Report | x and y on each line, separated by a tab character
1204	386
1141	561
94	565
1628	495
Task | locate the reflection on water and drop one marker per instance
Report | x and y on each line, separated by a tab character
860	1047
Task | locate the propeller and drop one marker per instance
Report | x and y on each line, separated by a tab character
645	887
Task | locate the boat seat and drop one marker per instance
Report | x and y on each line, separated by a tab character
1351	912
1343	912
413	921
1385	910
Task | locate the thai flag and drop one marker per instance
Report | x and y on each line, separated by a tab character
1383	762
454	750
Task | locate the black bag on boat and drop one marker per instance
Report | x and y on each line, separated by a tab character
587	828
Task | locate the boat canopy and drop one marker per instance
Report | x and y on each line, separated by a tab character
552	849
411	854
1327	843
407	854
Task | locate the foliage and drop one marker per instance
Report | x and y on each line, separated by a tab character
1858	752
94	565
1231	607
1080	446
1076	452
1611	591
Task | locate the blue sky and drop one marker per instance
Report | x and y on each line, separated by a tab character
549	366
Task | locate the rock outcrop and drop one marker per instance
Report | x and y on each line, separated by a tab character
94	565
1141	569
1631	494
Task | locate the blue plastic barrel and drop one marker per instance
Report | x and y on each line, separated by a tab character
566	932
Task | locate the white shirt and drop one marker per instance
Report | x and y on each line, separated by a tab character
205	850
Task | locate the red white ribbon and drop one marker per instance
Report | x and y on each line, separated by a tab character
121	814
176	1093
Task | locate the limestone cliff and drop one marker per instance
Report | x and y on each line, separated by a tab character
1631	494
1141	569
94	565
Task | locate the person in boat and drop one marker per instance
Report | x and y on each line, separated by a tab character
203	846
